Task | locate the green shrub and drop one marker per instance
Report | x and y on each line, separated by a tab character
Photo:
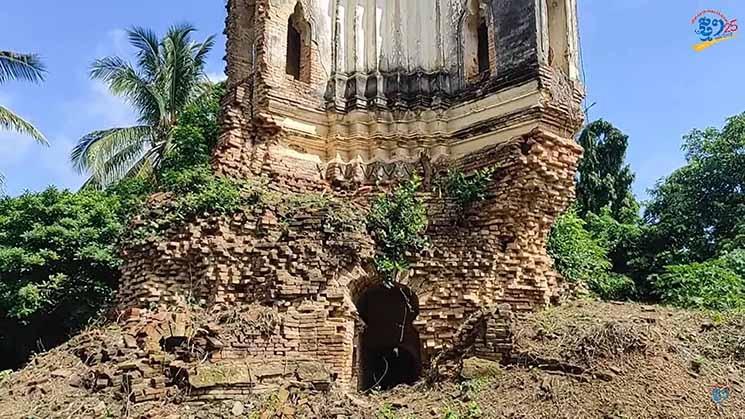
398	222
582	257
59	262
196	133
735	261
577	256
620	239
613	287
709	285
196	191
466	190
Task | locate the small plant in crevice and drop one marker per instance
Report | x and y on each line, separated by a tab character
398	223
467	189
342	216
386	411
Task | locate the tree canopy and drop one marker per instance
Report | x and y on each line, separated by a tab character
59	250
58	264
604	178
698	211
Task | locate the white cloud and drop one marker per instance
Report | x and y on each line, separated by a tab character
105	109
217	77
115	42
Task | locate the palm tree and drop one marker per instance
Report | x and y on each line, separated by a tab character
15	66
169	75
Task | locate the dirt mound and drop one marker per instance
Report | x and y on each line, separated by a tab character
582	360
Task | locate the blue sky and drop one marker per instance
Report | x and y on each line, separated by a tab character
641	72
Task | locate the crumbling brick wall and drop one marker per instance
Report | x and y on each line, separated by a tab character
493	254
520	121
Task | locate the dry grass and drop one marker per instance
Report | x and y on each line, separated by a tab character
664	363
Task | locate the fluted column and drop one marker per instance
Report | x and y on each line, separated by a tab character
371	35
349	34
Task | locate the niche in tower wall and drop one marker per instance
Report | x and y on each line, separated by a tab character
298	52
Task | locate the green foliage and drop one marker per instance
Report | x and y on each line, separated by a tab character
620	239
466	190
187	175
697	212
386	411
58	264
194	192
196	134
613	287
709	285
604	178
735	261
582	257
577	256
398	222
4	376
473	410
470	410
132	194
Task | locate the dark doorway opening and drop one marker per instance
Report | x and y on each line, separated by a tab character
294	41
389	348
483	51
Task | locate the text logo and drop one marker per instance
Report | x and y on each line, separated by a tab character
712	27
720	395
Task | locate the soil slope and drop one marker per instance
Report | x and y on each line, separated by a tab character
580	360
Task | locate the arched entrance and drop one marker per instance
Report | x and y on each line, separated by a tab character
389	350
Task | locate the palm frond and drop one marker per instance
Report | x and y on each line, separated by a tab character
123	80
15	66
146	166
185	61
13	122
122	163
202	50
148	50
93	151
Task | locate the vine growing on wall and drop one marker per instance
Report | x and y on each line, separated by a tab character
398	222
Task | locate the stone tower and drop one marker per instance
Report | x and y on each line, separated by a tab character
375	84
347	97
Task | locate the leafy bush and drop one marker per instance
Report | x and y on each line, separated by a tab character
58	265
620	239
735	261
466	190
398	222
577	256
196	191
613	287
196	134
709	285
582	258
